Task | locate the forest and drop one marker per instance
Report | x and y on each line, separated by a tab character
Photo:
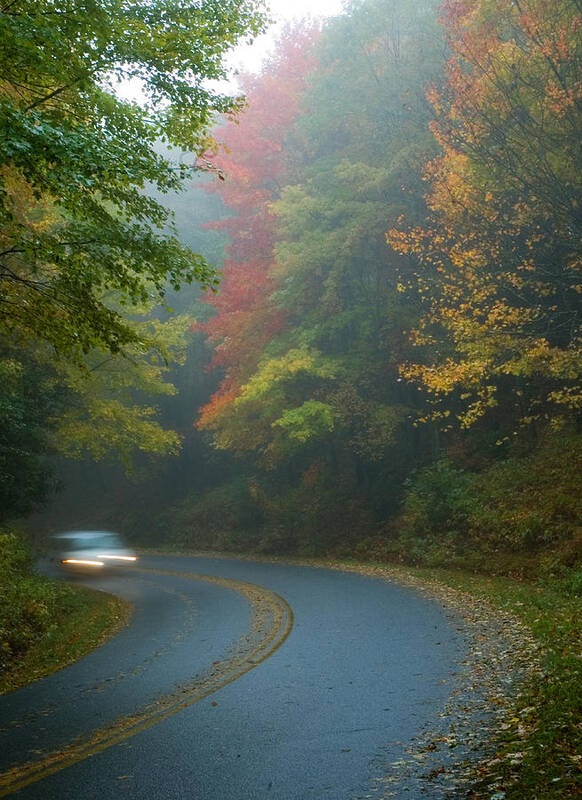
390	333
338	318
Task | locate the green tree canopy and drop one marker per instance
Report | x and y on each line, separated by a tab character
75	221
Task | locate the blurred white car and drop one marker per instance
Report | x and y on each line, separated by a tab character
91	550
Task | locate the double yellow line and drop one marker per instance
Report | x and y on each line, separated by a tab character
271	624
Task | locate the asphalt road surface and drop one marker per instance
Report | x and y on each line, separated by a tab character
236	680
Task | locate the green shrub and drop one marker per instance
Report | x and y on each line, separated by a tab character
15	556
434	523
29	604
323	514
533	503
520	516
247	516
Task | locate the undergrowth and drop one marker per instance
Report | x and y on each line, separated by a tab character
45	624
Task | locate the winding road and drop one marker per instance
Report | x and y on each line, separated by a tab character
236	680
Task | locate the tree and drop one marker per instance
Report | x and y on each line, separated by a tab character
75	223
255	166
25	402
104	408
110	407
501	253
309	329
312	274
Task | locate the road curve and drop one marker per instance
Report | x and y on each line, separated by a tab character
236	680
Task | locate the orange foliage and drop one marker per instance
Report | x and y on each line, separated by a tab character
498	279
254	163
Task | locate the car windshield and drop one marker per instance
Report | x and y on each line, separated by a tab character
100	541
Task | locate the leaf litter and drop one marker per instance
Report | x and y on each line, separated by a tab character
447	758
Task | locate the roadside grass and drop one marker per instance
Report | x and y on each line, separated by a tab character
77	621
46	624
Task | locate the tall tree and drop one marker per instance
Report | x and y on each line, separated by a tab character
85	246
74	159
255	167
311	387
502	252
333	280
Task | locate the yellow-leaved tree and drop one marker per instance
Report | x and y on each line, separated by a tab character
501	255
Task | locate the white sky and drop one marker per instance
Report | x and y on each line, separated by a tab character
251	57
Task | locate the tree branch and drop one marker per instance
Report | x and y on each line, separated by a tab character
44	99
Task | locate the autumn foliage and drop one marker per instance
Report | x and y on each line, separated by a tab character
501	254
391	380
255	165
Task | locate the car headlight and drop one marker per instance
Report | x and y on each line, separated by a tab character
112	557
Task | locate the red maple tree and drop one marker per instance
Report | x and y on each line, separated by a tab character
255	163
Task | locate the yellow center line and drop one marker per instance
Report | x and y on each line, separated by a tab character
271	624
